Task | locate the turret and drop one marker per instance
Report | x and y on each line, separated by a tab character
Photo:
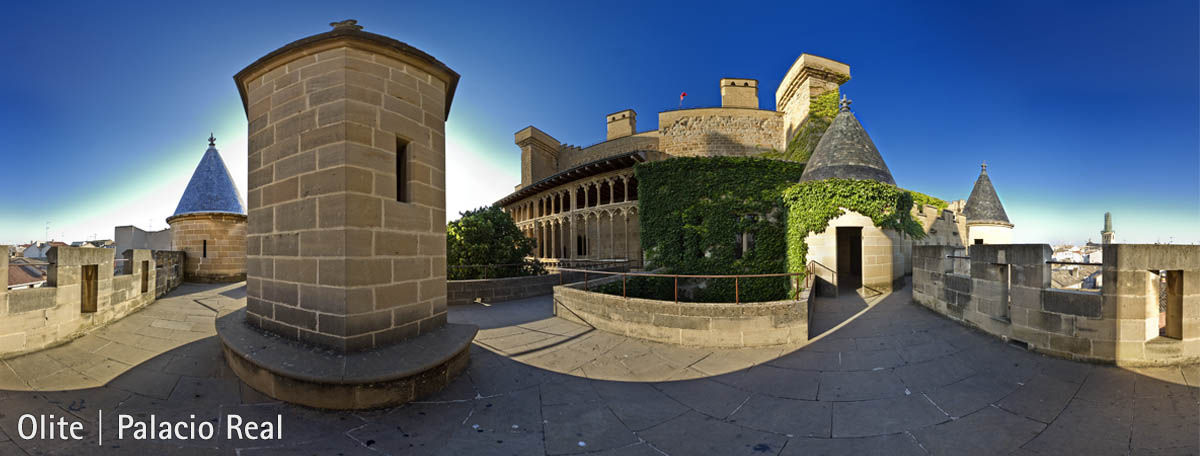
987	222
739	93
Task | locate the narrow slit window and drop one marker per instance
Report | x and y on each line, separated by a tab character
204	249
402	171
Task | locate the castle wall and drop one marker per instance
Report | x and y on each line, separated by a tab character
573	221
572	156
214	243
35	318
809	77
1006	291
708	132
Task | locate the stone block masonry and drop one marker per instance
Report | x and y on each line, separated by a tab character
214	244
1007	293
346	244
81	294
346	238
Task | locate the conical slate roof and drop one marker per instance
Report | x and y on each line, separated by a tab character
845	151
983	206
211	188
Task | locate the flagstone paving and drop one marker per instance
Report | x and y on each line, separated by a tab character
882	376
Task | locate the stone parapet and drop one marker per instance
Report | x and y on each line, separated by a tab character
1007	292
82	293
726	325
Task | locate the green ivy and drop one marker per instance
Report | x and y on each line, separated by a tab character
812	205
921	200
822	109
691	210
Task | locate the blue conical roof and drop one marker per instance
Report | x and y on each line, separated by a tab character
211	188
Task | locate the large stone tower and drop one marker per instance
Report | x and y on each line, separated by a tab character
209	223
347	239
987	222
1106	236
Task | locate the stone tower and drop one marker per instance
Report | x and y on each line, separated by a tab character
209	223
987	222
1106	236
347	237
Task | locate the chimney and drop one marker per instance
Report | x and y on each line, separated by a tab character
739	93
622	124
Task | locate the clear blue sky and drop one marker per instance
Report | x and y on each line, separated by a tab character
1078	108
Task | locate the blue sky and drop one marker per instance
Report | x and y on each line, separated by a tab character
1078	108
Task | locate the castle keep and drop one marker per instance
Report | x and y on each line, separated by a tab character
581	202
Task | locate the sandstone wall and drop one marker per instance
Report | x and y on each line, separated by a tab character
35	318
708	132
214	244
726	325
883	254
336	256
1007	293
572	156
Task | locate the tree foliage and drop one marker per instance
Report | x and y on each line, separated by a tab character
486	243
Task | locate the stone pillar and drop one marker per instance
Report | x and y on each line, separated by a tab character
4	280
573	244
347	212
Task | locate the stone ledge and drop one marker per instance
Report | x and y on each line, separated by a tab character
294	372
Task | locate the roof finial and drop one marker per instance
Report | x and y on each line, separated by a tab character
212	142
984	167
845	104
348	24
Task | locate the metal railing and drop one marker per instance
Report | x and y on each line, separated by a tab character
520	269
736	279
811	280
1076	263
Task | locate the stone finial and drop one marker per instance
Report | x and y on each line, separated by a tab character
212	142
845	104
983	168
348	24
1108	221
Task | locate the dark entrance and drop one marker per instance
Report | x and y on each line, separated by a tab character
89	288
849	257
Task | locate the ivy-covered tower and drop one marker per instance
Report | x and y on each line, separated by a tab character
852	253
987	222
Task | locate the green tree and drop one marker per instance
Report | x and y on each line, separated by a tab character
485	243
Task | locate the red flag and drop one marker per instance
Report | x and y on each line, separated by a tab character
681	95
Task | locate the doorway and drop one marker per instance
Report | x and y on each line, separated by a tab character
849	257
88	288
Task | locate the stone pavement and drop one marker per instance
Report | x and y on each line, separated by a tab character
883	376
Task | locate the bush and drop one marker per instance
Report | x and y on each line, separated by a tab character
486	243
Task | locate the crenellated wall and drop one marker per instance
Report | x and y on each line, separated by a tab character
1005	290
36	318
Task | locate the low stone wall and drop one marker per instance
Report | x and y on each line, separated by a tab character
1006	292
725	325
36	318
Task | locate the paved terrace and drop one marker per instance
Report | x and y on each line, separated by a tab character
885	377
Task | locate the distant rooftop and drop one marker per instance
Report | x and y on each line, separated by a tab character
211	188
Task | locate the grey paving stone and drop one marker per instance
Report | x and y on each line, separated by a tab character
988	431
1166	423
870	360
858	386
591	423
785	416
414	428
933	374
774	381
567	389
680	436
806	360
971	394
1085	427
1108	384
1042	398
884	416
705	396
638	405
885	445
